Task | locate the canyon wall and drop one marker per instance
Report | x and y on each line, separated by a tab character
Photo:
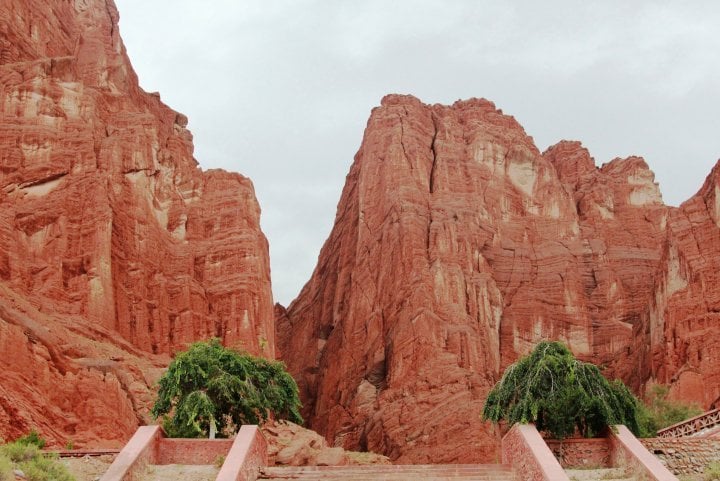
116	249
677	341
457	246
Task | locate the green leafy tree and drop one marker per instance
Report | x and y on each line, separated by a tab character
561	394
209	387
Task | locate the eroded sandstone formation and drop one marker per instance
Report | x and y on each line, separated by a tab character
677	341
457	246
113	243
291	445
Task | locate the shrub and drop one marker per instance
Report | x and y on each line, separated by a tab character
659	412
45	468
19	452
32	438
712	472
560	394
209	387
35	465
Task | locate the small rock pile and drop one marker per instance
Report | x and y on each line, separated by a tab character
293	445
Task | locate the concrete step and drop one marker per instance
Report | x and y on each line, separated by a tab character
600	474
415	472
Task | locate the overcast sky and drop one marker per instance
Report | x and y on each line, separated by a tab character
281	90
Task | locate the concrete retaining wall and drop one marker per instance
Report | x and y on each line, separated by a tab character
581	453
141	450
192	451
626	450
247	454
526	451
243	455
684	455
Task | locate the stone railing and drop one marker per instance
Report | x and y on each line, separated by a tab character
691	426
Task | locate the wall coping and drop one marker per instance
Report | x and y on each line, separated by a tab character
547	467
576	440
135	455
247	454
634	452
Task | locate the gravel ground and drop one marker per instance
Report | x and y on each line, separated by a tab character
91	468
184	472
88	468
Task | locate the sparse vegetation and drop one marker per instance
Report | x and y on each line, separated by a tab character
658	412
19	451
32	438
6	468
561	395
209	388
712	472
24	455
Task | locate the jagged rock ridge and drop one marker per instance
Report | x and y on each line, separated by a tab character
115	248
457	246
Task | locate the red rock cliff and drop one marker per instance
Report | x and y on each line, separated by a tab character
677	341
113	243
457	246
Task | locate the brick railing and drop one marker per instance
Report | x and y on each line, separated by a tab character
691	426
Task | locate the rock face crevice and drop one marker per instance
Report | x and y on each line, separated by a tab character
677	341
457	246
111	236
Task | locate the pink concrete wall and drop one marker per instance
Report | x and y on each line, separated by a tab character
192	451
525	450
581	453
141	450
247	454
626	450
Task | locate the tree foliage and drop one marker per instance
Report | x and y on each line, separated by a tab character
211	385
659	412
561	394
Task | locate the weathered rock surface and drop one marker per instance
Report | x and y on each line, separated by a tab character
457	246
293	445
69	379
109	231
677	341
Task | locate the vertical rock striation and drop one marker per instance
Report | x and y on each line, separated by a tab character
108	227
457	246
677	341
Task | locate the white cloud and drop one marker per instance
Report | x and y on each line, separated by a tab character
281	90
